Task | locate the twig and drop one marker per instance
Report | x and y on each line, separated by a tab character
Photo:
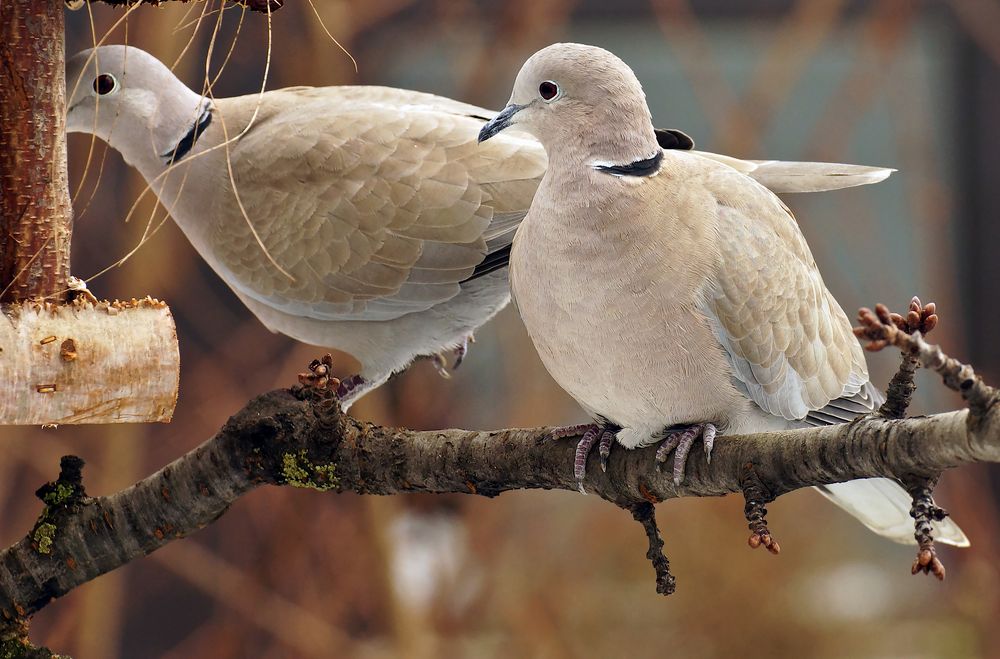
924	512
919	318
881	328
878	328
756	496
645	514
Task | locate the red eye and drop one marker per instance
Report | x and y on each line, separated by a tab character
548	90
105	84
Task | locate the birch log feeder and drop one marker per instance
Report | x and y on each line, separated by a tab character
88	363
63	359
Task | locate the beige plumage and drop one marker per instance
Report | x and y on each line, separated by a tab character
667	290
373	223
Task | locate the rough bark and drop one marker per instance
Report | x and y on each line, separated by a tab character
35	213
88	363
294	437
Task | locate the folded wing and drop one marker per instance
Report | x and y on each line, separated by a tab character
377	205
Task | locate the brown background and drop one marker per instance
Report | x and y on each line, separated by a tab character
291	573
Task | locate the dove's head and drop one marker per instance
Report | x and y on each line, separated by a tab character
572	97
130	100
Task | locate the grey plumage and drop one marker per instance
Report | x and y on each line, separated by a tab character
373	223
677	295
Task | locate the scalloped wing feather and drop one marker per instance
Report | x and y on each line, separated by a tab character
377	208
788	341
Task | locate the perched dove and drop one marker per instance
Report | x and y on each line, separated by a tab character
364	219
670	294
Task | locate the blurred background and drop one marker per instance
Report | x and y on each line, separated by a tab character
292	573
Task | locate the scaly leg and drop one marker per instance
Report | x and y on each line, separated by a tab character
440	359
681	440
591	433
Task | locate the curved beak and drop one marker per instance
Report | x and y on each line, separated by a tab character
499	122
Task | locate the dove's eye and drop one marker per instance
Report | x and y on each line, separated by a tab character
548	90
105	84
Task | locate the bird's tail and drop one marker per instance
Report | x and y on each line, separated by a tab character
791	176
884	507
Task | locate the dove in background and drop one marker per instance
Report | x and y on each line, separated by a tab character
671	295
364	219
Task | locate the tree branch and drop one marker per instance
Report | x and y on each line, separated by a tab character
299	437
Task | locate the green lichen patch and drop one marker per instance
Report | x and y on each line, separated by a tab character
298	471
44	536
59	494
16	648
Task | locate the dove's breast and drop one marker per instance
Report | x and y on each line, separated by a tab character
612	311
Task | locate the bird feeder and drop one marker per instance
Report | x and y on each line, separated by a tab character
64	356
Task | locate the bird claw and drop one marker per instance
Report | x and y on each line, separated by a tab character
348	385
604	448
571	431
441	365
589	434
460	351
582	452
680	441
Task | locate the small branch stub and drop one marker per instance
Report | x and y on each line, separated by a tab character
85	363
919	318
645	514
756	497
924	513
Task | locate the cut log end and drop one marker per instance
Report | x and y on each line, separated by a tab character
110	362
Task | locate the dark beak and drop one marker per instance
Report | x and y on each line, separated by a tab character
499	122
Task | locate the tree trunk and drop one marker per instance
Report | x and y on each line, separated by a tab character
36	217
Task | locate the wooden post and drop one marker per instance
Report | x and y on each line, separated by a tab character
61	361
36	217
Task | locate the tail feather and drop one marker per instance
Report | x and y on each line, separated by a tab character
884	507
785	177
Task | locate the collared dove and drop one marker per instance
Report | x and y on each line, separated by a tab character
363	218
670	294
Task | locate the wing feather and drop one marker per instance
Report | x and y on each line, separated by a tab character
378	202
788	341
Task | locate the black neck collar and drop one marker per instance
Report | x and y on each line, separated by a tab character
188	141
645	167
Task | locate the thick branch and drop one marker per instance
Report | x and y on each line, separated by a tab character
302	439
35	213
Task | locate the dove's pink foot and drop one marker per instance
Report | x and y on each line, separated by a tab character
461	351
349	384
681	440
591	432
571	431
